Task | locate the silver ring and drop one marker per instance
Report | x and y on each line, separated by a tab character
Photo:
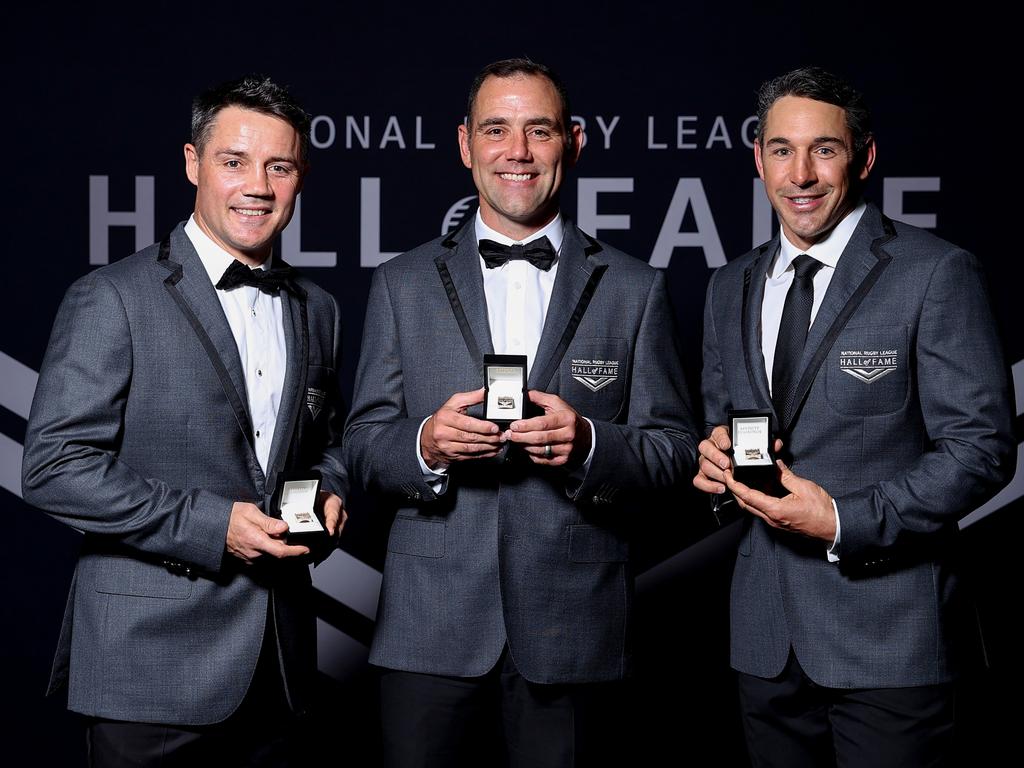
547	451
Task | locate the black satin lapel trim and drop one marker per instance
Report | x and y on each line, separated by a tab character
463	282
232	386
821	351
293	398
750	314
542	380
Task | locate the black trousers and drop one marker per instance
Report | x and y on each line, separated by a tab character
498	719
261	732
792	722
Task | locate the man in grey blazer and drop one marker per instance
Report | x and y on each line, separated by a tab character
873	345
507	586
179	385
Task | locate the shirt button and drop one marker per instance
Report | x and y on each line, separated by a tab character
257	433
259	371
254	311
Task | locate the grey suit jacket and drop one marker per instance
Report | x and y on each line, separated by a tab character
510	552
905	454
140	437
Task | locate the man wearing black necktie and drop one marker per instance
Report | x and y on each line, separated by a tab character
507	588
874	345
177	388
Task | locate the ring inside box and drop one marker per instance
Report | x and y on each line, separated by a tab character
751	440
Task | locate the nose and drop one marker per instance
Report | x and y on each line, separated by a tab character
519	148
257	183
802	171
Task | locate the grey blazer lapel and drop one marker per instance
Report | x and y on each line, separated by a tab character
862	263
458	266
190	287
293	396
575	283
753	294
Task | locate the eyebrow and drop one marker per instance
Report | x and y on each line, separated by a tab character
546	121
817	140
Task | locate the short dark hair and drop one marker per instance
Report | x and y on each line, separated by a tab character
255	92
522	67
821	85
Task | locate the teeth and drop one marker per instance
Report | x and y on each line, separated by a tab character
802	200
516	176
251	212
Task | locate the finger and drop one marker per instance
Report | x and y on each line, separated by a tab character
462	400
547	401
720	437
778	445
462	422
559	436
548	421
556	449
703	483
280	550
713	455
455	436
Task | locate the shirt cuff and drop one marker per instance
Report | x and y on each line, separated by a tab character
578	475
833	551
436	479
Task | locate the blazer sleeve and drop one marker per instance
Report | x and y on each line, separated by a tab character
966	404
380	437
656	447
71	467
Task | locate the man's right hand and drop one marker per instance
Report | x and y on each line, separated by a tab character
252	534
713	461
449	435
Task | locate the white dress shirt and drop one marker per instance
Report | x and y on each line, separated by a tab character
256	323
777	283
517	296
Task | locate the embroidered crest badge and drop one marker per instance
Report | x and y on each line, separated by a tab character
595	375
868	365
315	399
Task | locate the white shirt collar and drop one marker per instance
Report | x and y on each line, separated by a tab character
554	230
827	251
215	259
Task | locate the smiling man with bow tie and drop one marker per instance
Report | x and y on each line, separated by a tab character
179	386
507	588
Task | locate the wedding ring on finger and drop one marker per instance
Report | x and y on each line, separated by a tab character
547	451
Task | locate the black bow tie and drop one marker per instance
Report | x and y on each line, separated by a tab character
538	252
267	280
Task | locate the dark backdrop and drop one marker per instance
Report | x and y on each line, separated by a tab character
97	112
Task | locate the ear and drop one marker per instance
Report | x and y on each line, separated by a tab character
577	143
758	160
192	164
467	157
868	153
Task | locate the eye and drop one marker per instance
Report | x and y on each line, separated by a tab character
279	169
825	151
782	152
233	163
541	133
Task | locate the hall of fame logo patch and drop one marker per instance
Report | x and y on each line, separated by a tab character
315	399
595	375
868	365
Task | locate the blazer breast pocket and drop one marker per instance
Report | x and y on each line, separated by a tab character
593	375
867	372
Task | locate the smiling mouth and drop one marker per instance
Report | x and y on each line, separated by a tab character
251	211
517	176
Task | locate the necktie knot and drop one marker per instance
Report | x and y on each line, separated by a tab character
806	267
539	253
267	280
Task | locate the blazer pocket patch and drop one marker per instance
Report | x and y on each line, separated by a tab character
593	376
592	544
125	576
422	538
868	371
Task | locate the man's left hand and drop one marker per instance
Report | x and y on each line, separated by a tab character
806	509
555	439
334	512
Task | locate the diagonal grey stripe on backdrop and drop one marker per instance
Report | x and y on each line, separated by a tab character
10	465
19	384
349	581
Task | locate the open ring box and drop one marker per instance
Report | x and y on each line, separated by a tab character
753	460
504	388
295	502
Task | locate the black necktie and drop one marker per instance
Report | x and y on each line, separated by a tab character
796	320
538	252
267	280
